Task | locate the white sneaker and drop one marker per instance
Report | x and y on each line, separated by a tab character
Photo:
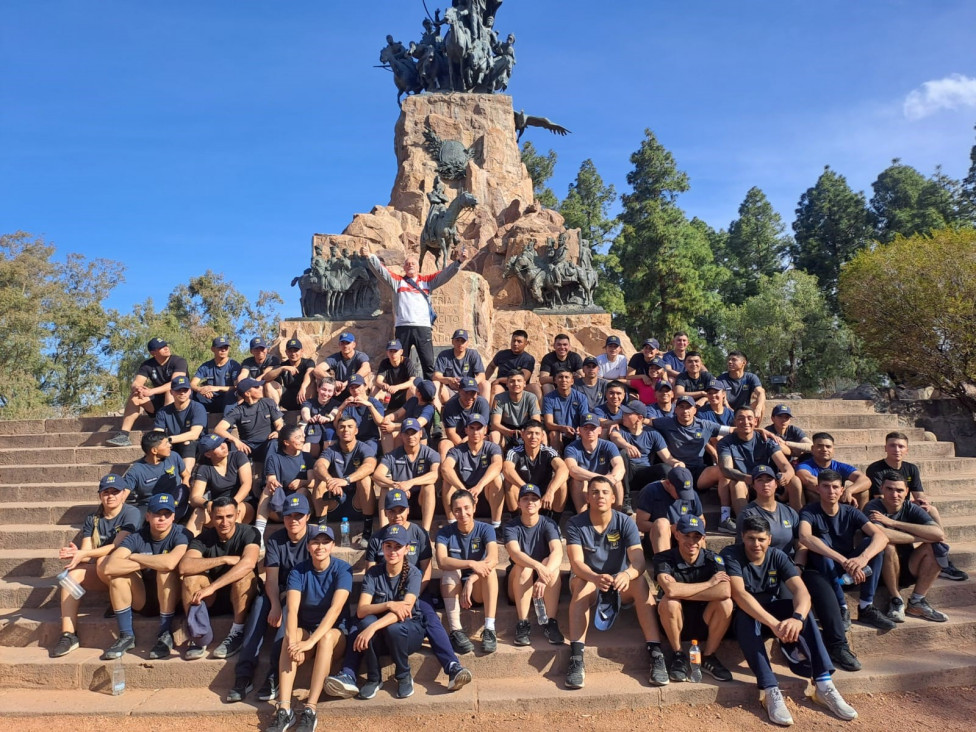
896	610
772	699
826	694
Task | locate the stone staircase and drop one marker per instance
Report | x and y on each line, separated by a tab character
48	477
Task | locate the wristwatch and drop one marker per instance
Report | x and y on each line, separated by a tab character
797	616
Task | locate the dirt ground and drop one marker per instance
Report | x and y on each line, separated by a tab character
938	709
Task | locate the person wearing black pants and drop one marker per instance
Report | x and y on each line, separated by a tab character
760	576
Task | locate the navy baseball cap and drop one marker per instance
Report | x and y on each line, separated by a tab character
179	382
293	344
347	337
112	481
356	380
296	503
652	342
758	470
460	333
394	345
681	479
477	418
781	409
155	344
198	624
425	387
219	342
662	385
612	341
209	442
320	529
715	385
634	406
607	609
162	502
258	342
530	489
659	362
689	524
397	534
397	499
245	385
590	419
469	384
590	361
411	424
689	400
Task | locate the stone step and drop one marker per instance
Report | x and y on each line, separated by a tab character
89	473
21	426
69	456
543	693
46	512
869	436
817	407
865	454
830	422
611	651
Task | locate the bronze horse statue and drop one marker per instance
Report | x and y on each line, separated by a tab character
440	230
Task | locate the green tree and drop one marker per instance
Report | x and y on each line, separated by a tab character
967	191
832	224
905	202
587	208
670	267
756	246
786	329
913	303
540	168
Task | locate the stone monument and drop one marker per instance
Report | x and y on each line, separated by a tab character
460	179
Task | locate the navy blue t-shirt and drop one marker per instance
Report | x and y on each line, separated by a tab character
254	422
343	368
725	419
654	411
597	461
383	588
706	565
507	363
254	371
418	545
693	385
649	442
566	411
746	454
472	546
128	519
402	468
368	429
838	530
655	500
318	589
471	467
142	542
145	480
343	464
765	581
738	392
909	513
222	485
286	468
454	415
686	444
172	422
784	525
283	553
469	364
606	552
532	540
210	374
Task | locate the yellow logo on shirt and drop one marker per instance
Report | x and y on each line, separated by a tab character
614	538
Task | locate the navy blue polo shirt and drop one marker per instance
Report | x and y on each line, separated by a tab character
686	444
471	467
606	552
597	461
402	468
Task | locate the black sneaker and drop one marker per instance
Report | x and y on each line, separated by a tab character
575	673
680	667
242	687
872	616
67	643
307	720
951	572
457	676
283	719
712	666
164	646
404	687
269	689
461	643
120	440
659	669
229	646
117	649
489	641
552	633
523	633
369	689
844	659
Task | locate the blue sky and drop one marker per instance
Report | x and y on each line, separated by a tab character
182	135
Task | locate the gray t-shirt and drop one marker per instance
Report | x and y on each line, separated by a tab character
515	415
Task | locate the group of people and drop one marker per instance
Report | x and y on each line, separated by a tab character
625	446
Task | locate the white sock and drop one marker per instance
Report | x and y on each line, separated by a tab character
236	628
261	524
489	623
861	604
726	513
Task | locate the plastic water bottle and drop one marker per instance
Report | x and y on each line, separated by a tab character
118	678
694	655
846	579
540	610
73	588
344	533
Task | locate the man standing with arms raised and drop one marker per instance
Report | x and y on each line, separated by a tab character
412	309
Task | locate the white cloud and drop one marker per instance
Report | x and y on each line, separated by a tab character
952	92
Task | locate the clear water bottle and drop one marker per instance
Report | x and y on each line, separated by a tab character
344	533
694	655
847	580
540	610
118	678
73	588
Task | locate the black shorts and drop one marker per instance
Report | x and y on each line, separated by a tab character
222	604
694	626
151	608
158	401
186	450
905	577
289	400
